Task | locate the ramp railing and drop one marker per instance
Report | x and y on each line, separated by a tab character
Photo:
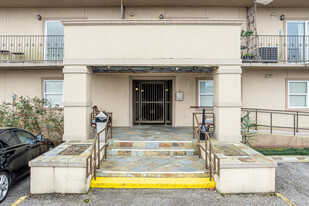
94	158
296	121
212	162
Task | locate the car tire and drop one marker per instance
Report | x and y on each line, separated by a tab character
4	185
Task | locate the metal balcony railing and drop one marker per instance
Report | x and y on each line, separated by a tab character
31	48
275	49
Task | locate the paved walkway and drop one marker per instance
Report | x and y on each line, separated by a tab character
286	158
149	133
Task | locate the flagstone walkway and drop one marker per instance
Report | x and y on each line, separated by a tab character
148	133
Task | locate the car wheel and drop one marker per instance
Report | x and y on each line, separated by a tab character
4	185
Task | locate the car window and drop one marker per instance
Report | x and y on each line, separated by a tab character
24	137
8	139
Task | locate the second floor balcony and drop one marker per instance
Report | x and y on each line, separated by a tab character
255	49
275	49
31	48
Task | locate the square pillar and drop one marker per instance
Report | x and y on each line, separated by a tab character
227	103
77	102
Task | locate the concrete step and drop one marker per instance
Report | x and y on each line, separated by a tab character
156	183
168	151
153	144
149	166
166	174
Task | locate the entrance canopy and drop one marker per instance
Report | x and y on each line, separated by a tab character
151	69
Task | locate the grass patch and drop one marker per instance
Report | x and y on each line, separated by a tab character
283	151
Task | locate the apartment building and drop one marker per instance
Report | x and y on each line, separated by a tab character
156	62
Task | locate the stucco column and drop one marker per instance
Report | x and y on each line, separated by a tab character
77	102
227	103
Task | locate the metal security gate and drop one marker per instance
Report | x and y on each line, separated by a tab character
152	102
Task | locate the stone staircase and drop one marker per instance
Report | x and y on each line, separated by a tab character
152	148
167	164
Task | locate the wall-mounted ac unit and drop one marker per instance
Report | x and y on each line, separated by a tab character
269	54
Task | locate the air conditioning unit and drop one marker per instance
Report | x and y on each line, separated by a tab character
269	54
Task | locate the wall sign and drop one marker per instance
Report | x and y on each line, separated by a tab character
179	96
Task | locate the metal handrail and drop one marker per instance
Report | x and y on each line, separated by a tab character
93	160
296	116
212	162
31	48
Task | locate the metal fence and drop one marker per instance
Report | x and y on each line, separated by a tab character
31	48
275	49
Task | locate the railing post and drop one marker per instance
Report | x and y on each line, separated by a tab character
271	122
193	124
99	152
206	155
256	119
87	169
294	127
94	161
111	125
105	143
210	166
304	49
297	118
90	166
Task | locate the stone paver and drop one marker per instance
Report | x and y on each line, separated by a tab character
191	166
146	133
245	157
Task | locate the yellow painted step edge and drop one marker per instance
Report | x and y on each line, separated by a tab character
156	183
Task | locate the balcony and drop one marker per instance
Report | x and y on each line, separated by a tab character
31	48
275	49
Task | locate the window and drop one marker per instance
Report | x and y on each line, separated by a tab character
8	139
53	93
298	94
24	137
206	93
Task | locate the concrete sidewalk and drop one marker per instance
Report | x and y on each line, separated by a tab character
284	158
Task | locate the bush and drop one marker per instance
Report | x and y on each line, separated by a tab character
30	114
284	151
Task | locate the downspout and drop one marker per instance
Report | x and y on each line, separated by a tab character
122	11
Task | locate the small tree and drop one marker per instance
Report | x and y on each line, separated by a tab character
247	126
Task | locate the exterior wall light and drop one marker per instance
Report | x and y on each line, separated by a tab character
39	17
161	16
268	76
282	17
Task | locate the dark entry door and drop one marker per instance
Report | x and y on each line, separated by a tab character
152	102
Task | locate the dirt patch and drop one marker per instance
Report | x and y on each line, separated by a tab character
75	149
230	150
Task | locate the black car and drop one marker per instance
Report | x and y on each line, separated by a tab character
17	148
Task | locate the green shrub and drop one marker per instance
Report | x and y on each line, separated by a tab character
30	114
284	151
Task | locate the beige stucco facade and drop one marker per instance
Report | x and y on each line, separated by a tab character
24	21
102	36
200	35
25	82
